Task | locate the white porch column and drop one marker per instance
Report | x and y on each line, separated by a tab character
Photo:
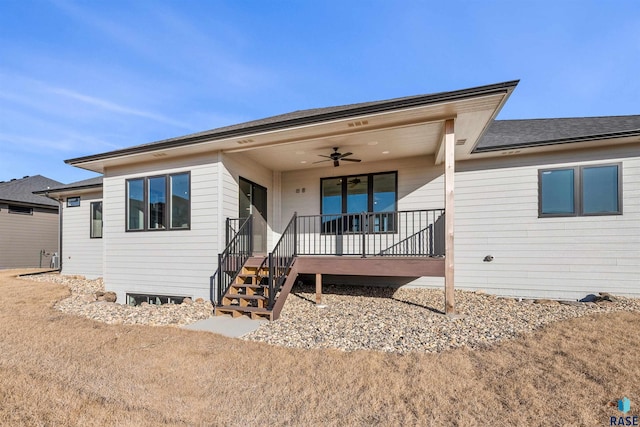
449	173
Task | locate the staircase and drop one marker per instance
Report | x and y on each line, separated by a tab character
256	287
249	293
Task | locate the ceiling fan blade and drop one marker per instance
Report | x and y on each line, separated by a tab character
320	161
336	163
322	155
342	156
351	160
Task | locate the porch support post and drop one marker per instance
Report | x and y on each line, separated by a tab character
449	173
318	289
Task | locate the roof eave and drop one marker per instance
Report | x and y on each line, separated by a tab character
68	189
585	138
392	105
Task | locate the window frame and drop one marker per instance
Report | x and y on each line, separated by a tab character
127	205
170	196
19	210
147	203
370	202
71	202
168	202
91	236
578	188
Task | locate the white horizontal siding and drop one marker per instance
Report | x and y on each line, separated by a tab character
235	167
567	257
81	255
168	262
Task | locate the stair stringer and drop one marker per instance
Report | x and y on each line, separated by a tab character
284	291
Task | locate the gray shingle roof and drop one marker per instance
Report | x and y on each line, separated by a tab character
506	134
21	190
85	183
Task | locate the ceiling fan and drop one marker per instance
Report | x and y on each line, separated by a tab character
336	157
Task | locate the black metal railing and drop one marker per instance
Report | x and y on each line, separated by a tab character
231	260
232	225
281	258
398	233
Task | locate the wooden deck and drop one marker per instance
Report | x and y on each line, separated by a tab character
372	266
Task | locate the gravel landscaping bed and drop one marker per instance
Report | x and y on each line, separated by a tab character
405	320
83	302
356	317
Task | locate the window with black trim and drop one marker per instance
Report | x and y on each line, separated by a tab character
344	198
159	202
21	210
73	202
96	220
580	191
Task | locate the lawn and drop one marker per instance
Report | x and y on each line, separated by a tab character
57	369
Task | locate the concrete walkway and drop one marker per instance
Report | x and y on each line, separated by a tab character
226	326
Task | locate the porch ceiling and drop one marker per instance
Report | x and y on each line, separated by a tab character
417	132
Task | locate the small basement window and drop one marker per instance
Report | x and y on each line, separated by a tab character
22	210
137	299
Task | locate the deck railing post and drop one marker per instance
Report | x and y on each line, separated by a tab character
220	273
364	227
295	234
271	277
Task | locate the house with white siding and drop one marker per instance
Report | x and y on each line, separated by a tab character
81	246
426	190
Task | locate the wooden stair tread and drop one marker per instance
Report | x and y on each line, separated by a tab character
249	285
243	296
245	309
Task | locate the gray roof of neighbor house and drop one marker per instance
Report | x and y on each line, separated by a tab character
507	134
95	182
306	117
21	190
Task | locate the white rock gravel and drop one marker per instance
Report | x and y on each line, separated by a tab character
406	320
82	302
356	318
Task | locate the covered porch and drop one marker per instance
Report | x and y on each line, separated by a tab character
361	194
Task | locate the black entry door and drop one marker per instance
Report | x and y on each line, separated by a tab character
253	201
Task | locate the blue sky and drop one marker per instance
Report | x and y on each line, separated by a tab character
85	77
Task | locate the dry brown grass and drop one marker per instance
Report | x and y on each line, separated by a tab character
57	369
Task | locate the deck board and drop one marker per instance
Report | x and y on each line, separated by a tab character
371	266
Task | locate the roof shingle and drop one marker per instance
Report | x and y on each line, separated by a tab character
503	134
21	190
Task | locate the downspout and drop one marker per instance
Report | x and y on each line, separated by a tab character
59	269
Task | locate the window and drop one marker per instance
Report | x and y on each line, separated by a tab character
138	299
73	202
355	194
180	206
159	203
96	220
22	210
135	204
580	191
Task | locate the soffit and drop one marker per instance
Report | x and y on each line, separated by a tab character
403	133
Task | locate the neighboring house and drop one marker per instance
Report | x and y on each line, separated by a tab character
28	223
81	202
374	193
